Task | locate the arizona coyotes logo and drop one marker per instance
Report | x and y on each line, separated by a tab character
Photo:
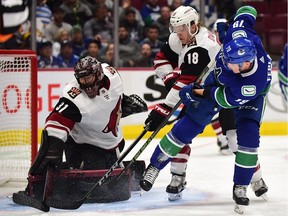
73	92
113	123
192	42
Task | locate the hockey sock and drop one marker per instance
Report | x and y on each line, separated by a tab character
245	164
168	148
257	175
218	130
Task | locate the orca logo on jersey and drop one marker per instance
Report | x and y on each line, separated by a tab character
74	92
248	90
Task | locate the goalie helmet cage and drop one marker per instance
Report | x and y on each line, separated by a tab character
18	113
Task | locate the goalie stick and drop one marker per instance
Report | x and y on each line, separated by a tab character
75	204
22	198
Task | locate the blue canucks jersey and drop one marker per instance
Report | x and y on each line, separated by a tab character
238	89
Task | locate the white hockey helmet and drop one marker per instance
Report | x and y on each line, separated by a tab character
183	15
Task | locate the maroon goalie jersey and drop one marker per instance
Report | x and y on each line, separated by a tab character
91	121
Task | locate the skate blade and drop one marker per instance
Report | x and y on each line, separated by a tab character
264	197
239	209
174	196
142	192
225	152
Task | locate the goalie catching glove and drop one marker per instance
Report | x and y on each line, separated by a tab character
132	104
157	115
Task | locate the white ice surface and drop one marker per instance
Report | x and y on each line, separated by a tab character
208	192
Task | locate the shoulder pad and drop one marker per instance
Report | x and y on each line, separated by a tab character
109	70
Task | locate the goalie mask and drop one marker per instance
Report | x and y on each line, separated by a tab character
89	74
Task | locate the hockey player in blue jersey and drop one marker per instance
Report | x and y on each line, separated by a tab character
240	82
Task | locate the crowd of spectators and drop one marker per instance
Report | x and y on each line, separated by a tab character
70	29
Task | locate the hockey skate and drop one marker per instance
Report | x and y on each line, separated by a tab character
240	198
149	177
223	147
176	186
260	189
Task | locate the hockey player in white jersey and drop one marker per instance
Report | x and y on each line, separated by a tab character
85	123
190	47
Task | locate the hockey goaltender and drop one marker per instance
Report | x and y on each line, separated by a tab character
85	125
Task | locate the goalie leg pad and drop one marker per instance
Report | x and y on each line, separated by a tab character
105	193
74	184
137	170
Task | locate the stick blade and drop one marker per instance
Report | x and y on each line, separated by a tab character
64	204
23	199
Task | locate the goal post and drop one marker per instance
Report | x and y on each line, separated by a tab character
18	113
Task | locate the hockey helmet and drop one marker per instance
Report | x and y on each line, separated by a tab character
183	15
89	73
239	50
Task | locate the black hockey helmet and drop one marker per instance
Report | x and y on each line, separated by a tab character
89	74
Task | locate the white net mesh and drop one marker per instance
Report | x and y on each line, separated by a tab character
15	117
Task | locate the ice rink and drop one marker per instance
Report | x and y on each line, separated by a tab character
208	192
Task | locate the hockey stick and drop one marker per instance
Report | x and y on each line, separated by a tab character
205	71
165	121
75	204
198	81
22	198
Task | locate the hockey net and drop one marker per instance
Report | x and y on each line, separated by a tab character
18	113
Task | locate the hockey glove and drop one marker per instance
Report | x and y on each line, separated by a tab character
157	115
222	28
170	79
49	154
132	104
187	96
